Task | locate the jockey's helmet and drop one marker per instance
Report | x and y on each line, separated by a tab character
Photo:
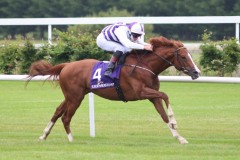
136	28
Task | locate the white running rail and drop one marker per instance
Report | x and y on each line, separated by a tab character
109	20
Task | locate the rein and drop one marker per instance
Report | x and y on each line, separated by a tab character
176	54
136	66
170	63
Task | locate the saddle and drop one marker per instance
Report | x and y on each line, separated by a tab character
99	81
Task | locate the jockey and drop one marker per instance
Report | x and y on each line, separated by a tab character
121	38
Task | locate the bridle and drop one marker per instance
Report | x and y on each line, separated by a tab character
181	67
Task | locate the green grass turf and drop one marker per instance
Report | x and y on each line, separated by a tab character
208	116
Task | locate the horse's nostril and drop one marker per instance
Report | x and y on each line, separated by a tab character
195	72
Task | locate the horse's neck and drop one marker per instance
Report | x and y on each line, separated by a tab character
157	65
148	60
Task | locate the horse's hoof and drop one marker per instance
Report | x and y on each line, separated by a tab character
70	137
182	140
41	138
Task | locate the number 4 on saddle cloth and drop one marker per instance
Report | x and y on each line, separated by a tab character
98	80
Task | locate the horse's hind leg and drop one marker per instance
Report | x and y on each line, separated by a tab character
58	113
171	122
72	106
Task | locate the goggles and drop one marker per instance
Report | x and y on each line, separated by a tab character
135	35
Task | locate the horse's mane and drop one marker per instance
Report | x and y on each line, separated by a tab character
162	41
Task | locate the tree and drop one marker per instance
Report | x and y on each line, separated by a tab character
83	8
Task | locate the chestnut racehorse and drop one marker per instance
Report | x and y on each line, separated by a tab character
138	81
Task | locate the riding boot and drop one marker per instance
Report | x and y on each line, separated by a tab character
111	66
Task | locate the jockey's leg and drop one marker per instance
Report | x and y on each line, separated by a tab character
115	57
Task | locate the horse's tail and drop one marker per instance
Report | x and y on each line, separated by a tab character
42	68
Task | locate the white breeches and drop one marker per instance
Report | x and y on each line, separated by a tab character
110	45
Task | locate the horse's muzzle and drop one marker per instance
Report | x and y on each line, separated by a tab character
193	73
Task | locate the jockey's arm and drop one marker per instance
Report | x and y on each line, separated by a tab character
140	41
147	46
122	36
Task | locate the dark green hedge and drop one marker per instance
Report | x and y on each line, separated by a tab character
222	57
16	58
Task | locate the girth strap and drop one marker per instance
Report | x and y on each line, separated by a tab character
119	90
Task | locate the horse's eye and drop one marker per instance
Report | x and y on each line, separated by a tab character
184	58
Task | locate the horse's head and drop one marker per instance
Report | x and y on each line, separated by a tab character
175	54
183	62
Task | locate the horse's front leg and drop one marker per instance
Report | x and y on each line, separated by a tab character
171	122
58	113
156	98
172	125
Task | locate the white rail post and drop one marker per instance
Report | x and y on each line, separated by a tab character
91	115
237	38
237	32
50	34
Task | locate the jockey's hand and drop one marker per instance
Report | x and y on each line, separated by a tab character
148	47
